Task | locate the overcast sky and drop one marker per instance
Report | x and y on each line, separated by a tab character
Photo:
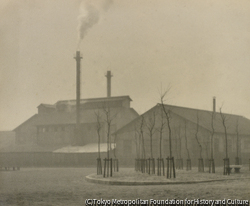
199	48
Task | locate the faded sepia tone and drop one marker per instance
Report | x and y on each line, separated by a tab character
180	77
200	48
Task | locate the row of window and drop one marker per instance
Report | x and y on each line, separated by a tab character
42	129
89	127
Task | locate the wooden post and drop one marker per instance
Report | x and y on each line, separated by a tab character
226	166
163	167
168	167
200	165
237	160
211	166
188	164
149	160
153	166
110	167
99	166
104	173
158	167
173	167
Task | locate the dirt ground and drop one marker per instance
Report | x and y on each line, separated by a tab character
67	186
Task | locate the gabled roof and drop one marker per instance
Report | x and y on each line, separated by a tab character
28	120
69	116
204	120
131	124
101	99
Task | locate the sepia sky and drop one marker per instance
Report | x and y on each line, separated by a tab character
198	48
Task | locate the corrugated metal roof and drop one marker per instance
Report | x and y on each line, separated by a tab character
89	148
204	120
29	148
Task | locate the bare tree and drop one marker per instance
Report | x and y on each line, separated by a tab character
108	118
188	155
168	117
185	134
224	119
167	113
179	147
98	130
115	137
108	121
176	145
179	137
160	130
142	122
150	124
201	164
160	161
137	141
206	145
196	135
226	160
237	161
212	135
211	161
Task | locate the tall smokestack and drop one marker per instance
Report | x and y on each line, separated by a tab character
78	92
108	83
214	104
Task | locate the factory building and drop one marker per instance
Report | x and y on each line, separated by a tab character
55	124
49	137
67	132
185	123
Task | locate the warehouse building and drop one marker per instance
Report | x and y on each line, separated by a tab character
144	131
49	137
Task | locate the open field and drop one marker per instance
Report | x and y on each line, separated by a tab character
67	186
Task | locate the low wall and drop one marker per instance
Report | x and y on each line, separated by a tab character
47	159
50	159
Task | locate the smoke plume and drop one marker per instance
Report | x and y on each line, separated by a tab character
90	11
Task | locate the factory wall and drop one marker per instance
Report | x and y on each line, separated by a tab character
128	141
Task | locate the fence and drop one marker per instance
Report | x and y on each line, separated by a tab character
47	159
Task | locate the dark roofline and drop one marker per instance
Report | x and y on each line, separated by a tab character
136	113
202	110
134	120
97	99
47	105
173	106
25	122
